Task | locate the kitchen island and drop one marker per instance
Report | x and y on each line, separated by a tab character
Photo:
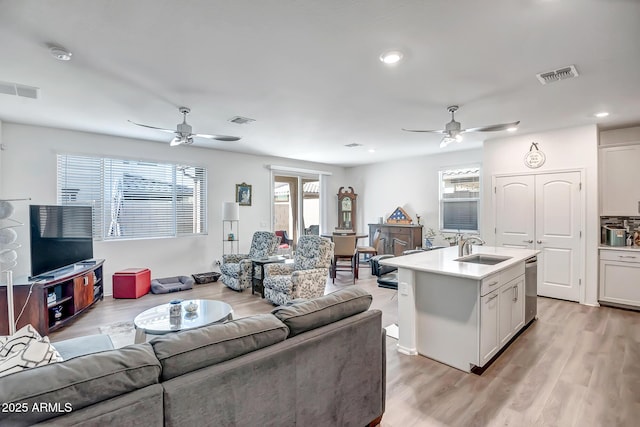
460	311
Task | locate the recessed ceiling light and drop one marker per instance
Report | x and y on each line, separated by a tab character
392	57
512	129
601	114
60	53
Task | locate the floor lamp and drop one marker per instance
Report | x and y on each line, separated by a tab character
8	254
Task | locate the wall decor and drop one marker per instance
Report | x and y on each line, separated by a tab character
243	194
534	158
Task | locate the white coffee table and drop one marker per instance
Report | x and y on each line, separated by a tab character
156	320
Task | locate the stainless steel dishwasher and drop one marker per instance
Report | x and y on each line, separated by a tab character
530	289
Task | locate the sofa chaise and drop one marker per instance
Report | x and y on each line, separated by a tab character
315	362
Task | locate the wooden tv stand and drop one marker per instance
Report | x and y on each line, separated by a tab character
77	287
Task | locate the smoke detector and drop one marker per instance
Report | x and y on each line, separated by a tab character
60	53
564	73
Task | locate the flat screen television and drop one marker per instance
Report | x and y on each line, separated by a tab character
60	236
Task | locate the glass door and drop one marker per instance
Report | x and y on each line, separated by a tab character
296	205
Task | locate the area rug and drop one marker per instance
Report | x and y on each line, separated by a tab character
121	333
392	331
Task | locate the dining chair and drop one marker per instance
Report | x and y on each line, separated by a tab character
344	255
370	251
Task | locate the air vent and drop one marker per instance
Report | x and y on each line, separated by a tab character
18	90
239	120
568	72
353	144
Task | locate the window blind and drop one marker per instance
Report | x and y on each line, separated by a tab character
459	199
135	199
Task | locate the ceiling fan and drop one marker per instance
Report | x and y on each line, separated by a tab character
183	131
453	131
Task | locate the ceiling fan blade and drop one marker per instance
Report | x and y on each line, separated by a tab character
430	131
493	128
218	137
152	127
175	141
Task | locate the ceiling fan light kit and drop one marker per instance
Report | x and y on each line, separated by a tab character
183	132
453	130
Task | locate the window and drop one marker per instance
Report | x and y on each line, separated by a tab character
459	199
135	199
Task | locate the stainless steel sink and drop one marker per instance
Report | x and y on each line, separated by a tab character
483	259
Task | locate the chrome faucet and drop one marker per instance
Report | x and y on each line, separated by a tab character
465	245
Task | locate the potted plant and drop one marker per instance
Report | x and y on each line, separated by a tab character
451	238
428	237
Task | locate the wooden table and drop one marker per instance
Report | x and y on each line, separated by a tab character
257	279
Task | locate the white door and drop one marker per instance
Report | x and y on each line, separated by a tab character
543	212
515	210
558	212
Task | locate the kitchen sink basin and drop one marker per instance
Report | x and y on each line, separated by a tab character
483	259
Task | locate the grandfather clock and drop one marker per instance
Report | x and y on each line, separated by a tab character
347	209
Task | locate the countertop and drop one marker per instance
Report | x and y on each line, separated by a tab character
442	261
620	248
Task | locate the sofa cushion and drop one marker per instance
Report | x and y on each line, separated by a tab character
194	349
83	381
316	312
25	349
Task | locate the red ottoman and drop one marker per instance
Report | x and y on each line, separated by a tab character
131	283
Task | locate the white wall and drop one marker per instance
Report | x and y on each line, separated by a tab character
28	169
410	183
572	148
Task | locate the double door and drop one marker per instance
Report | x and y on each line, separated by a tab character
544	212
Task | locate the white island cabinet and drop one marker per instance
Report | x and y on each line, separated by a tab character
459	313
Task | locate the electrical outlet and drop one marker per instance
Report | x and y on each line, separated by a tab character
216	263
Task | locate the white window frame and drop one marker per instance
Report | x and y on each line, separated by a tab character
176	194
442	201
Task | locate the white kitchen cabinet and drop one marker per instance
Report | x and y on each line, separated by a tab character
489	344
619	175
501	317
620	277
511	306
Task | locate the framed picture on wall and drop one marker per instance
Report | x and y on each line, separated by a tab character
243	194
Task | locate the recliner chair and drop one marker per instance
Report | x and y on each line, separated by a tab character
236	268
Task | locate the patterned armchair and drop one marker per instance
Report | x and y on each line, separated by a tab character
306	277
236	268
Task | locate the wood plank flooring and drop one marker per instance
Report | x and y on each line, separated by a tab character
574	366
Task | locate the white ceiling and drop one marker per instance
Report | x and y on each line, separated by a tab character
308	71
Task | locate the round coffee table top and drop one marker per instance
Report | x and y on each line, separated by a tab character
157	321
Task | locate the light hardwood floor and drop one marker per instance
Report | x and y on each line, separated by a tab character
574	366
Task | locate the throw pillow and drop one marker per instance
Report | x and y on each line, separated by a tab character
25	349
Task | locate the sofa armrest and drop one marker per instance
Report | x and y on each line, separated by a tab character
278	270
234	258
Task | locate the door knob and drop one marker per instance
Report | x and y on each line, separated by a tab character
539	242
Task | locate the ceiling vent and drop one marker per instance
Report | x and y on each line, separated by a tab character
564	73
18	90
239	120
353	144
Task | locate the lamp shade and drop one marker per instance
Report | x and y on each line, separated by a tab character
230	211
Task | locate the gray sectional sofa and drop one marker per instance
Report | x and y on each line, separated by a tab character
316	362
